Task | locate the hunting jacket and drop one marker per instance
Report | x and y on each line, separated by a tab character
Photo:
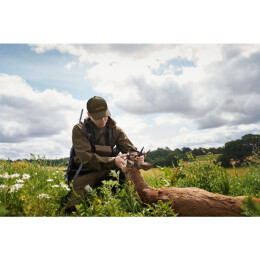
82	146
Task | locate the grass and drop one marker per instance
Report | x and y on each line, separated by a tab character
204	158
35	189
237	170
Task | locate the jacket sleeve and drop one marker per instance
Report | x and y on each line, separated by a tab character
83	153
123	142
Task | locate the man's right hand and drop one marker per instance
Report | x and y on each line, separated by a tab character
121	161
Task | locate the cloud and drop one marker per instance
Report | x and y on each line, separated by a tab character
214	137
27	113
215	85
41	122
70	65
170	119
133	124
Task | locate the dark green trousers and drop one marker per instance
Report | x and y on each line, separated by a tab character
93	179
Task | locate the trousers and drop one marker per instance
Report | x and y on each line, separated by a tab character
93	179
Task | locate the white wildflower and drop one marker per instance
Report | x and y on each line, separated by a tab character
43	195
88	188
57	171
5	176
49	180
55	186
64	186
15	175
19	181
26	176
2	187
15	187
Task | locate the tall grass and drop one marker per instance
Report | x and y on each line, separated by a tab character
210	176
35	189
30	189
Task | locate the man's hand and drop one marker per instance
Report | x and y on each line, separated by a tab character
121	161
140	159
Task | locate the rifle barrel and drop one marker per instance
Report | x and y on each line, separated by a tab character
81	115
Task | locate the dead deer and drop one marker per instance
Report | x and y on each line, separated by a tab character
186	201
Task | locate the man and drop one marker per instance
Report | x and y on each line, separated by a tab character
94	151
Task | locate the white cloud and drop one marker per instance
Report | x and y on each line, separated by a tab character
221	89
34	120
184	130
70	65
214	137
131	124
170	119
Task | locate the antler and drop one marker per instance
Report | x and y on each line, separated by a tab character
137	155
132	162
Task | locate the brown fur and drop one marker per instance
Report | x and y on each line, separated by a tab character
187	201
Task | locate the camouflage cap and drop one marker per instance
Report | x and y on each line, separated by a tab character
97	107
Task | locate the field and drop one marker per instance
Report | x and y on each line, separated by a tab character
35	189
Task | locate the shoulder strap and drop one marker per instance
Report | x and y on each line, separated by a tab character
90	136
109	136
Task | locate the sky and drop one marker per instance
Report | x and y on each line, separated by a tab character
161	95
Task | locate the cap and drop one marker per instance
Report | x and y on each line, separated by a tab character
97	107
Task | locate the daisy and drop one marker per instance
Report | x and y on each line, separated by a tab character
43	195
15	187
26	176
5	175
2	186
65	186
15	175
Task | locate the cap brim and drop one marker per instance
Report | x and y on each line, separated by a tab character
100	114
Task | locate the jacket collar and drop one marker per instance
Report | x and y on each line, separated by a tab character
111	123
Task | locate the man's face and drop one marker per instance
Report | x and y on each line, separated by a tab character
100	122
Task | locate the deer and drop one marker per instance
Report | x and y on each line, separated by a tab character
188	201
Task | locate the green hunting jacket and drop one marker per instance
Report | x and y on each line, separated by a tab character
82	146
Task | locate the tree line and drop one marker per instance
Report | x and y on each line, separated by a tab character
240	151
237	151
167	157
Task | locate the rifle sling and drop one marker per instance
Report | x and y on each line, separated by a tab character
91	139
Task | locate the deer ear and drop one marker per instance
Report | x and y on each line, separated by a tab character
144	166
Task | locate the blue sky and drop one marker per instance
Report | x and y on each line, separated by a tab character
173	95
44	70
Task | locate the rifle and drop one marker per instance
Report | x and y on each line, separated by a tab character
71	163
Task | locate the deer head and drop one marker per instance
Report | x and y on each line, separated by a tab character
132	163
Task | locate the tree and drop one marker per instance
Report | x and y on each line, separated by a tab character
239	150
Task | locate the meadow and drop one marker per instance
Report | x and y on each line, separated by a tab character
36	189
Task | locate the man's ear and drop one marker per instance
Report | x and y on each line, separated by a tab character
89	115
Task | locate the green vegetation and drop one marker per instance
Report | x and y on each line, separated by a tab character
167	157
35	189
211	176
30	189
112	199
240	151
